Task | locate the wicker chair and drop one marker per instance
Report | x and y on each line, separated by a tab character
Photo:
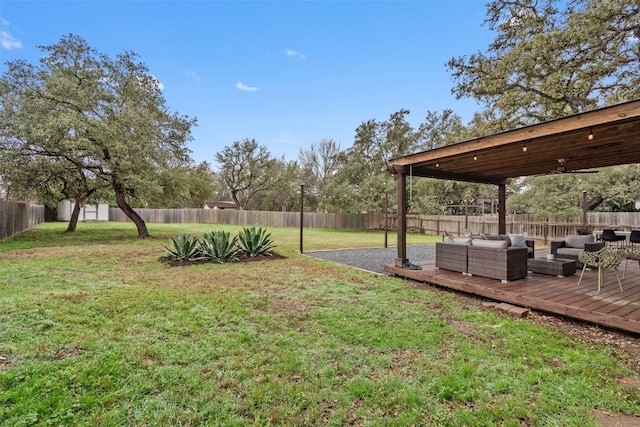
602	259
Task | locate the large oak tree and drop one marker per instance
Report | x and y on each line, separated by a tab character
106	116
552	58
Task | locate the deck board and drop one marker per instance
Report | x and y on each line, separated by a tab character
551	294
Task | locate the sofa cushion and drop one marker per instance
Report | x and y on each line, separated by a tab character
495	244
506	238
517	240
578	241
568	251
492	237
465	241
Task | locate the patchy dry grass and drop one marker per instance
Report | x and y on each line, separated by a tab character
96	330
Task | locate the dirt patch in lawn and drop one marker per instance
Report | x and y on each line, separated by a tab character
616	420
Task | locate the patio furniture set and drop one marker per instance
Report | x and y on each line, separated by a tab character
502	257
510	257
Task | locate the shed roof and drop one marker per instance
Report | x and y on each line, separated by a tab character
551	146
220	204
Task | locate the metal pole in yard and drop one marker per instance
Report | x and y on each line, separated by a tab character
301	214
386	209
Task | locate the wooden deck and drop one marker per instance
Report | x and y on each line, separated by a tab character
558	295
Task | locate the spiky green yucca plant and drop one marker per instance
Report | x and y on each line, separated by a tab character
255	241
218	246
185	248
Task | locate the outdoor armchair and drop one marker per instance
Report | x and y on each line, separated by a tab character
573	245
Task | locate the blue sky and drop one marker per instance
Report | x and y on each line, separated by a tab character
286	73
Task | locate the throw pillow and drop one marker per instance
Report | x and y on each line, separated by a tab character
517	240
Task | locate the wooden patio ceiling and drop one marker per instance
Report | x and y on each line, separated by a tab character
498	158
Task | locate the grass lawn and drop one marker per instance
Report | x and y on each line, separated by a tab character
95	330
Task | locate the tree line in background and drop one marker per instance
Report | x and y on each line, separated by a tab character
87	127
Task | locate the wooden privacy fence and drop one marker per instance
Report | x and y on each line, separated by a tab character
427	224
16	217
256	218
488	224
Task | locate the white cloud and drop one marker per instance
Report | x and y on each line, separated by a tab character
193	76
295	54
8	41
243	87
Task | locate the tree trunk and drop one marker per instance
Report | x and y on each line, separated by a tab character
73	221
128	210
234	197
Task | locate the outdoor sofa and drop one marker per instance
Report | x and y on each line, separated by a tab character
495	258
573	244
452	256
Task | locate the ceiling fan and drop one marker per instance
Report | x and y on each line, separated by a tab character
562	168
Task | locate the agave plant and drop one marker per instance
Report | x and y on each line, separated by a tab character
255	241
185	248
217	245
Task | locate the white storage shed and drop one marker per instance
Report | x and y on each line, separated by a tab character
97	212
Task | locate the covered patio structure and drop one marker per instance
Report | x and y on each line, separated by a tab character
605	137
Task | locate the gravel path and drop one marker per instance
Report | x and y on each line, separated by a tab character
374	259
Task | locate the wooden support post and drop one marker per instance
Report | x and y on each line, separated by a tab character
401	197
502	209
584	210
466	213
